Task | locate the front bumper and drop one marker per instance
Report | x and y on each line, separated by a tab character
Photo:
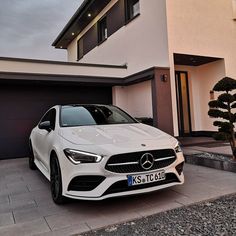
115	184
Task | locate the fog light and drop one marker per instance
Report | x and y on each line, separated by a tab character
179	168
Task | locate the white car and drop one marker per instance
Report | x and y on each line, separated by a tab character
93	152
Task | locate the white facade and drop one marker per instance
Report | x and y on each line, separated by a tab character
164	27
135	99
204	28
47	67
136	46
140	44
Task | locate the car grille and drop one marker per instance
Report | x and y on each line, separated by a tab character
85	183
130	162
122	186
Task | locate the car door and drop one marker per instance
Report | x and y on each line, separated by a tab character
44	139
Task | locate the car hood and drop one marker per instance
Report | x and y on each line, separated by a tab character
114	134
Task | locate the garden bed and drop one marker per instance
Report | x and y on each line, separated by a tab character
212	160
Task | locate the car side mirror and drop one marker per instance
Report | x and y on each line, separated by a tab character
46	125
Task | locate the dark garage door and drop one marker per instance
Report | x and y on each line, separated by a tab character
21	107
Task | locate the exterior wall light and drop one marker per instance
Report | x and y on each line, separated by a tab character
164	78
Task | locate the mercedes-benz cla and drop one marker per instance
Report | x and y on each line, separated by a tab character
93	152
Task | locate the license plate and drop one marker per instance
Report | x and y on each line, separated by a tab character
146	178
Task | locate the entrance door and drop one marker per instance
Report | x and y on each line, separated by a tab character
183	103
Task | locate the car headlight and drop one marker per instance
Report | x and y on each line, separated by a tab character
178	148
78	157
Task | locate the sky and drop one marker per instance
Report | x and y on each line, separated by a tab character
28	27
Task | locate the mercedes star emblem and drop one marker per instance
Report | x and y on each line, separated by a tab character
147	161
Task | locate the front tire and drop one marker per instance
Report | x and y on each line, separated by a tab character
32	165
56	181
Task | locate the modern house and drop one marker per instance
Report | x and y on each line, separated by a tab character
157	59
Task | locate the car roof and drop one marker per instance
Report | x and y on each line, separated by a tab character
77	105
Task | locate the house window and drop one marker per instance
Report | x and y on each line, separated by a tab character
102	30
80	49
132	9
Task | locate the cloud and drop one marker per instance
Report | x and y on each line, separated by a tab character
28	27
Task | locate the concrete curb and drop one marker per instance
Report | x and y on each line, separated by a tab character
226	165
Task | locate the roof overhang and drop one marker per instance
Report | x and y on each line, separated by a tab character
19	77
88	10
6	77
193	60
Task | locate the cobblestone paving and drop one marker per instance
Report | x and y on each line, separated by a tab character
216	217
26	206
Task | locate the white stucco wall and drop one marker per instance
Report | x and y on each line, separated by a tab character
205	28
141	44
234	9
63	69
135	99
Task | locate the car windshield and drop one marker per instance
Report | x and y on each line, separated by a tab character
87	115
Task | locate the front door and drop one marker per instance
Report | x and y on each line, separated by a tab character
183	104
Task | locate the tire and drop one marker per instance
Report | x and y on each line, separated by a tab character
32	165
56	181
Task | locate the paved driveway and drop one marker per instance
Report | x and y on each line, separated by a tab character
26	207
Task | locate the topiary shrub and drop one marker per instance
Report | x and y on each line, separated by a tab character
223	108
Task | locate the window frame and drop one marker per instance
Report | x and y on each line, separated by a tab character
80	46
128	17
99	28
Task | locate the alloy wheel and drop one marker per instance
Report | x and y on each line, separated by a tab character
56	182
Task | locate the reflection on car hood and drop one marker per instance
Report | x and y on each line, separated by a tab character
113	134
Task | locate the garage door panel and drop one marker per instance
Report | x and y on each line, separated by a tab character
14	147
16	128
21	108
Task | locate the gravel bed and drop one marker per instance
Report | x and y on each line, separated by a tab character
210	218
212	156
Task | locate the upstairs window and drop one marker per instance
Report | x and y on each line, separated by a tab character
102	30
80	49
132	9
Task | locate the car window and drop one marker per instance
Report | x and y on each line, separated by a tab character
93	115
77	116
50	116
